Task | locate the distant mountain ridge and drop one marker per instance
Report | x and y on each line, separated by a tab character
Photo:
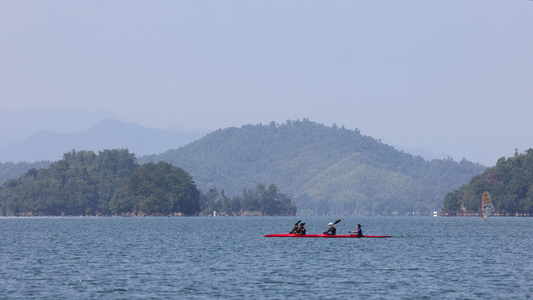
427	155
324	169
15	126
107	134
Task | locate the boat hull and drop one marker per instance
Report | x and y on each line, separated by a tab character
326	236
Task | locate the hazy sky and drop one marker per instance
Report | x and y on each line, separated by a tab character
449	76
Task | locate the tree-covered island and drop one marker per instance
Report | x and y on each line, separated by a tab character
510	184
113	183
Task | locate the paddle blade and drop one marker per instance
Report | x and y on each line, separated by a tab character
337	221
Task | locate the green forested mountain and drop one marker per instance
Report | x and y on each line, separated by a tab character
510	184
323	169
84	183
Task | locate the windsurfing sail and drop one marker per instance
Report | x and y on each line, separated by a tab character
486	205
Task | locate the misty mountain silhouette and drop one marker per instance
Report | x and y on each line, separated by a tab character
108	134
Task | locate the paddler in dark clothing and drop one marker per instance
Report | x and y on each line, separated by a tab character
295	228
332	230
301	230
359	231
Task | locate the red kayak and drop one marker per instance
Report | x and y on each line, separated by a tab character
326	236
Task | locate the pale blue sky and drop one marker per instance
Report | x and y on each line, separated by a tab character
450	76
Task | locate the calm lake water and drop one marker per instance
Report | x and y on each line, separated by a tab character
228	258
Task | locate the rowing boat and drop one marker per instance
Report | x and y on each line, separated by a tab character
326	236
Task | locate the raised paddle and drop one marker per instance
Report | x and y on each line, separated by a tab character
295	226
333	224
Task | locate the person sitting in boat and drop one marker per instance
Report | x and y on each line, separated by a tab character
295	228
301	230
359	231
332	230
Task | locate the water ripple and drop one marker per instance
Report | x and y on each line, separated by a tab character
228	258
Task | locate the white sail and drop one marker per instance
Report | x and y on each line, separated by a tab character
486	205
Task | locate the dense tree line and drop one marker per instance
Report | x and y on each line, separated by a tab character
112	182
323	169
510	184
157	189
257	201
